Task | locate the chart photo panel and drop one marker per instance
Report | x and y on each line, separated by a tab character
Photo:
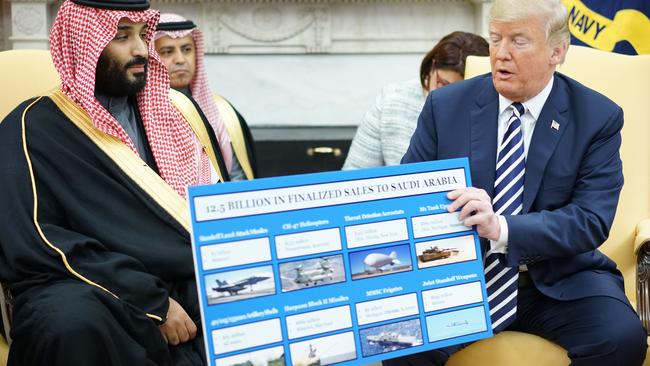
313	272
391	337
266	357
439	252
239	285
380	261
324	351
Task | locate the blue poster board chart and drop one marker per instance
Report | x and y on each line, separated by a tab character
346	267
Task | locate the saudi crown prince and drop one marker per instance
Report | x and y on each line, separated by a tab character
94	241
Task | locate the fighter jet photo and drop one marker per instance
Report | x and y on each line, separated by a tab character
240	284
234	289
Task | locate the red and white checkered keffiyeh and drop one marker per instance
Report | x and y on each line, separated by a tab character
199	86
77	38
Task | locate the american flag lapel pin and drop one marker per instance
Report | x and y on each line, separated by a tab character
555	125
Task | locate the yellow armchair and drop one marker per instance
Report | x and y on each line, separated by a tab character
4	351
39	78
625	80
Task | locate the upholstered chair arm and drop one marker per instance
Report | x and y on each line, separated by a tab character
5	312
4	351
642	251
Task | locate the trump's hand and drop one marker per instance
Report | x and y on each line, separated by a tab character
179	327
476	210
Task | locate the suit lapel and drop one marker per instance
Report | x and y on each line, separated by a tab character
483	139
546	136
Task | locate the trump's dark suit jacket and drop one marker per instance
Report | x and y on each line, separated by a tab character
572	182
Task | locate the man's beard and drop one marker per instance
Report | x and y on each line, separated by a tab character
111	78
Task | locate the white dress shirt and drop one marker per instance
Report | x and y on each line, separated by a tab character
532	109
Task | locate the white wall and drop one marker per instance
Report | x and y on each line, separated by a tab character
306	89
296	62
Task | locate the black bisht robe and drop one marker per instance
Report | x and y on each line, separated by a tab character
92	287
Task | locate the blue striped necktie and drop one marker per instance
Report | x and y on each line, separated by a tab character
501	281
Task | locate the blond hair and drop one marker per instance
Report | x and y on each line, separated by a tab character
551	12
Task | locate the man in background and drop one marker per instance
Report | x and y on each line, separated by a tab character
181	47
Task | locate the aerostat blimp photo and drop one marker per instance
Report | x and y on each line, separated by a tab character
380	261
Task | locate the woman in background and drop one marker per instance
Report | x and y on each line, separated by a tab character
384	134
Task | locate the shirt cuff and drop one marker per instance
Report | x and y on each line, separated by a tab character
501	245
